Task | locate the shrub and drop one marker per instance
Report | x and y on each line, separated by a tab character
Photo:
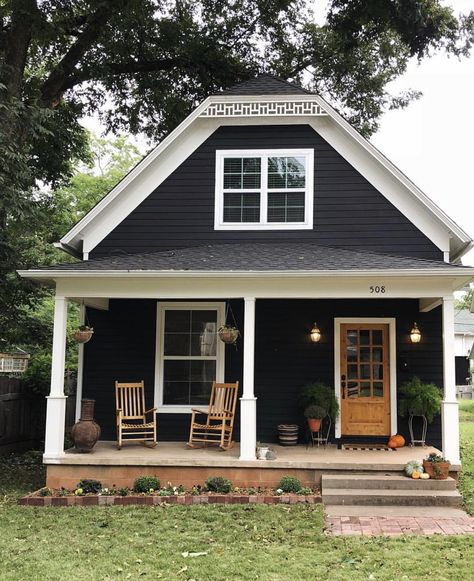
289	484
144	483
218	484
90	486
123	491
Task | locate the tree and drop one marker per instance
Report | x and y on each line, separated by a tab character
142	65
465	301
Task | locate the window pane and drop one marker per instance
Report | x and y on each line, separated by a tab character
204	342
365	354
203	371
352	389
286	172
241	207
364	389
177	344
364	337
242	172
377	389
177	321
286	207
176	370
176	392
377	337
200	392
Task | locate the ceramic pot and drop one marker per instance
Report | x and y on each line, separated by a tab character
437	470
314	424
86	431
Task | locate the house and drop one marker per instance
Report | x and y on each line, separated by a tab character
264	205
463	345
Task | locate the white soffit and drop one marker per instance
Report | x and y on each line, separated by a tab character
254	110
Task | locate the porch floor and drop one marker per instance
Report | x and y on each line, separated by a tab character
105	453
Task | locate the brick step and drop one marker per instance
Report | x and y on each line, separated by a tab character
365	497
383	482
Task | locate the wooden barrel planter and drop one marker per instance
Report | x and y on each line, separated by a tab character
288	434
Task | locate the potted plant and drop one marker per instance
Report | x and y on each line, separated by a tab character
83	334
314	415
228	334
320	395
419	399
436	466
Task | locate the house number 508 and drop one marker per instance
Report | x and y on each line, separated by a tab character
377	289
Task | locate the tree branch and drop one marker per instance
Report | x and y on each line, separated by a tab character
131	67
59	76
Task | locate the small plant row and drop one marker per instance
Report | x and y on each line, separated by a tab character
215	488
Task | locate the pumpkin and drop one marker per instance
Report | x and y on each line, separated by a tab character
413	466
424	476
396	441
415	475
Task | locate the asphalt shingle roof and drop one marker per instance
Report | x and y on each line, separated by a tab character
463	321
259	257
266	85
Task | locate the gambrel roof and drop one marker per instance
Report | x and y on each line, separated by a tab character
266	100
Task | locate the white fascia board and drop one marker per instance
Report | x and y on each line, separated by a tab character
467	273
463	242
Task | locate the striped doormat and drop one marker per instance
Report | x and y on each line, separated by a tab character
370	447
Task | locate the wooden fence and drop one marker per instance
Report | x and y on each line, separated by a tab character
22	416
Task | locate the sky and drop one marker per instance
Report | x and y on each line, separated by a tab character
432	140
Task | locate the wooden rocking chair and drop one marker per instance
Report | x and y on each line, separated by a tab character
219	423
132	423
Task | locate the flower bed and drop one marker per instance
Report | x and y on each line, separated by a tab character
147	490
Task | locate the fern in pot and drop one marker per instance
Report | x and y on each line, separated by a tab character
419	399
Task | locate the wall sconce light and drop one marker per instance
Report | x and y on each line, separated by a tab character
315	333
415	334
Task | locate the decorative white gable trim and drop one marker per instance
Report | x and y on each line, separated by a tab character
293	108
233	109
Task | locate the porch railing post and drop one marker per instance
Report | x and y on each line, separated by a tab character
449	406
248	401
56	401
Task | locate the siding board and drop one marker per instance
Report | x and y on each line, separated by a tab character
348	211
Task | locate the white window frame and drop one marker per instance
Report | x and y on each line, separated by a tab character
264	154
162	307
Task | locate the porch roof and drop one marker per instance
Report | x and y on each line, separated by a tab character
256	257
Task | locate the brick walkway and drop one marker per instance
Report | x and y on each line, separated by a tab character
375	525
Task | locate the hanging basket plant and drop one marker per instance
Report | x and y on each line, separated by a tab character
83	334
228	334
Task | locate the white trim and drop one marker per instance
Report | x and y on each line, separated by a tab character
449	406
248	401
464	272
193	131
392	323
80	365
162	307
263	224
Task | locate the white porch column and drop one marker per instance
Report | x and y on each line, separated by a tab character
449	406
248	401
56	404
80	365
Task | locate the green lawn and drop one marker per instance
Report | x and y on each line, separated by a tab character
240	542
466	480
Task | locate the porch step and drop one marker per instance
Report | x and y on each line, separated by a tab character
388	490
384	481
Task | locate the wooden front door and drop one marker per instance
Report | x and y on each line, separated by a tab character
365	380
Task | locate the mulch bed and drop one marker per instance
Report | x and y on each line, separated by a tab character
34	499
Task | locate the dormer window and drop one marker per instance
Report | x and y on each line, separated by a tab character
264	189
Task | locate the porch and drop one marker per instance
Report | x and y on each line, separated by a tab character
176	463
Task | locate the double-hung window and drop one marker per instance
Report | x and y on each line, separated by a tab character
264	189
190	355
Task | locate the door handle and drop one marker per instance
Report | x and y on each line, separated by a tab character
343	386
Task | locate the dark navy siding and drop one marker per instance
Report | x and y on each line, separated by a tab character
348	211
123	347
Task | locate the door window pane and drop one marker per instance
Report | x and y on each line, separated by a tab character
351	353
352	389
364	337
377	354
377	371
377	337
365	371
364	389
377	389
352	337
365	354
352	372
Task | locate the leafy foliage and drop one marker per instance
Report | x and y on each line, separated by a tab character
218	484
289	484
315	412
420	399
89	486
321	395
145	483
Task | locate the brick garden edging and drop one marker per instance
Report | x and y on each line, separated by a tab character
187	499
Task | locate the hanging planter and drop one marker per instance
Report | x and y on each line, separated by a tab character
83	334
229	333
